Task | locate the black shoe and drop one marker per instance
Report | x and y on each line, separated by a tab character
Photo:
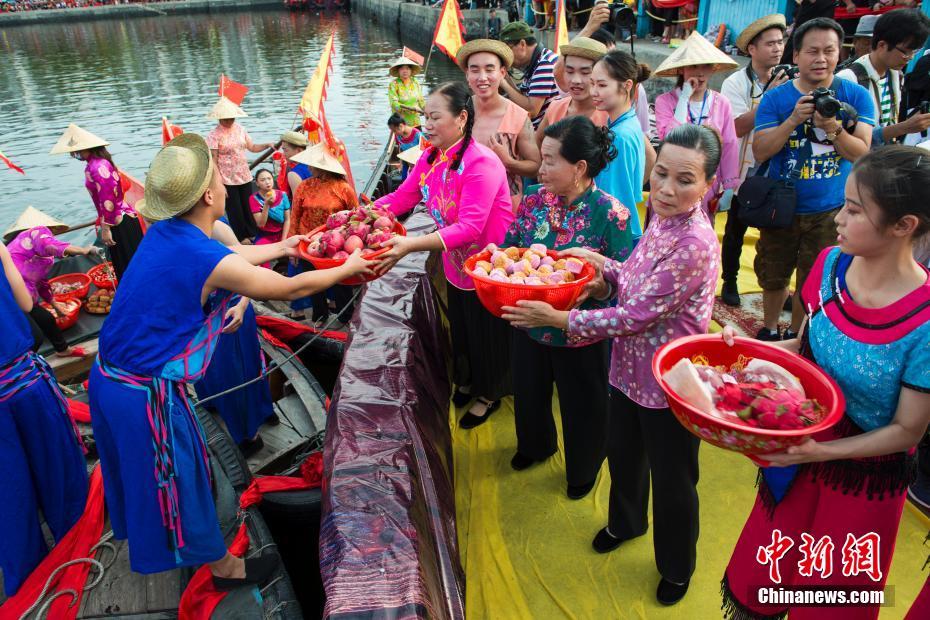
470	420
460	398
669	593
789	335
273	420
520	462
789	304
248	447
578	491
767	335
605	542
729	294
258	570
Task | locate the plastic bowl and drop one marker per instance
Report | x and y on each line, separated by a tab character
69	321
494	295
733	435
98	276
71	278
329	263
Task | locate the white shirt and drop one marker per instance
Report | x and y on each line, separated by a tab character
744	95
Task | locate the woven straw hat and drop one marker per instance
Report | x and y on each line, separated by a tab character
318	156
294	137
178	176
404	62
696	50
498	48
32	217
585	48
76	139
760	25
411	155
224	108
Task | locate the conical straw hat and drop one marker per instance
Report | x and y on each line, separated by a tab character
177	178
404	62
76	139
696	50
411	155
318	156
32	217
224	108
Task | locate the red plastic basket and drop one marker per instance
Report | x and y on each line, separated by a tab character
731	434
99	276
71	278
494	295
69	321
329	263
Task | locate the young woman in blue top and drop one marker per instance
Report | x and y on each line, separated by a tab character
41	457
159	337
614	81
567	210
868	303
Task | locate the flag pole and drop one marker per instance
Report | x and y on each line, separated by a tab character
428	56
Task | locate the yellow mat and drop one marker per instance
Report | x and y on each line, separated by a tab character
526	548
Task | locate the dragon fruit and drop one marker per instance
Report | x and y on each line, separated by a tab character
341	255
359	229
337	219
383	223
353	243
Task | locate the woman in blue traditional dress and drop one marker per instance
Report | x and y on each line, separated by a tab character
160	336
41	457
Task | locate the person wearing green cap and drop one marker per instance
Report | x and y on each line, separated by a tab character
538	88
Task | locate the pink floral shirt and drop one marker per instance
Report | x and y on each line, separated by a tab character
665	290
34	252
471	205
230	146
102	181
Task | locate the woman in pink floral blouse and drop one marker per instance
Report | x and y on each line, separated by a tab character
664	290
229	141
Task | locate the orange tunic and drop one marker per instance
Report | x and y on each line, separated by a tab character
316	199
558	110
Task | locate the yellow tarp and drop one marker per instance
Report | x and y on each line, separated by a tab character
526	547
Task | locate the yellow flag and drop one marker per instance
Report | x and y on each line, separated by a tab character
449	35
561	25
315	93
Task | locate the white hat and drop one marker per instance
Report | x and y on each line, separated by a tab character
224	108
318	156
696	50
411	155
76	139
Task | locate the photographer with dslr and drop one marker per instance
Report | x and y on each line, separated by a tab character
808	136
895	39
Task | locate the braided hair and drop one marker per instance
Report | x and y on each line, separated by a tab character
458	98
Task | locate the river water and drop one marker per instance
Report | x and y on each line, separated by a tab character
118	78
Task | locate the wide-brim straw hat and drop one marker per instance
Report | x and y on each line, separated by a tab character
295	137
404	62
319	157
696	50
32	217
498	48
224	108
411	155
760	25
178	176
584	48
76	139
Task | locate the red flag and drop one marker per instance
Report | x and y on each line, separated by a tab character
234	91
412	55
169	131
450	31
9	163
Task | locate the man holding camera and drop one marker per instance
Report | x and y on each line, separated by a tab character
816	126
764	41
896	37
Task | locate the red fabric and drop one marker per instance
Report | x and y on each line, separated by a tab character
169	131
669	4
10	164
412	55
921	607
200	598
285	330
75	544
234	91
841	13
80	412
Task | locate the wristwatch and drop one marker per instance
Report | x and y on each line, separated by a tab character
833	136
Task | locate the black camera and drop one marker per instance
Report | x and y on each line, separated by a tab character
826	103
924	107
622	20
791	71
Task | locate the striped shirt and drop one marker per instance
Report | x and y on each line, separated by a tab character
887	109
539	81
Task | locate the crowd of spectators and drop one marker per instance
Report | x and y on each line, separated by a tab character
14	6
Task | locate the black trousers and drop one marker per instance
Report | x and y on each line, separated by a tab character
342	294
732	245
480	346
238	211
127	235
580	374
923	459
650	442
43	324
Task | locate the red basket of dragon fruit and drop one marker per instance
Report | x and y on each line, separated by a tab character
752	397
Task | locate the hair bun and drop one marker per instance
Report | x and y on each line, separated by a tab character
644	72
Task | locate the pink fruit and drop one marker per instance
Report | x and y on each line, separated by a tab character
331	250
497	256
337	219
509	267
336	239
547	260
515	279
492	247
341	255
534	261
483	264
498	271
353	243
480	271
574	265
359	229
384	223
498	277
317	236
525	266
539	249
533	280
545	270
313	249
554	278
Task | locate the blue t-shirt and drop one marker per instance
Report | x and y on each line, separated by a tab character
823	178
17	335
623	177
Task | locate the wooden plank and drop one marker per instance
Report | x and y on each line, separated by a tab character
311	402
73	369
281	440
